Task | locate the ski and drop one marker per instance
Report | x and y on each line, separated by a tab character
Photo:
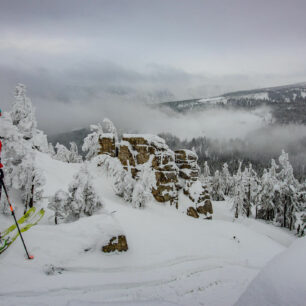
31	222
22	220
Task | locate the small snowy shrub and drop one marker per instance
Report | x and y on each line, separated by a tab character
58	203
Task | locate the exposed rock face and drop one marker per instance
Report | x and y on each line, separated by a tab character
116	244
192	212
186	161
108	145
205	209
136	150
198	194
173	170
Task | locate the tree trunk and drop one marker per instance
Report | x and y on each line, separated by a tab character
249	201
31	202
236	212
285	212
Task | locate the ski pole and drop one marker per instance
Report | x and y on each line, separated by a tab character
13	214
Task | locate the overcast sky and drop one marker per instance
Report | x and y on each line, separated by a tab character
96	55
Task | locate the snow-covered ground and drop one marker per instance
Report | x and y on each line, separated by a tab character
172	259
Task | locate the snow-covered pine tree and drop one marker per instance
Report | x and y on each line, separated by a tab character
142	192
265	206
58	204
33	189
239	194
91	142
51	150
83	198
122	181
23	117
23	113
62	153
206	174
227	180
92	201
217	187
20	167
251	182
288	188
74	153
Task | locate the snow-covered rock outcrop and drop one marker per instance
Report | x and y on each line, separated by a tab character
173	171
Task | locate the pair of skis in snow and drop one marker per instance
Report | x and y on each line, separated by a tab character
7	242
9	235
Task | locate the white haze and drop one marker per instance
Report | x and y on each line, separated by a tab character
136	117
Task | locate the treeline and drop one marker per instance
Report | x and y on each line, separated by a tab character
275	196
235	151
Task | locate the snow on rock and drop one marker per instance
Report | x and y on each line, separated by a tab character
146	139
281	282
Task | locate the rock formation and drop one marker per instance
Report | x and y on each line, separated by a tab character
173	170
107	145
116	244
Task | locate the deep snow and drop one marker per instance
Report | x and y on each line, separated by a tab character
172	259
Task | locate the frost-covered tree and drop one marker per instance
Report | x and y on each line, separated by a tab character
20	167
251	184
265	207
142	192
227	180
83	198
62	153
51	149
23	117
217	187
122	181
288	188
33	192
239	193
206	174
23	113
40	141
74	153
91	142
58	204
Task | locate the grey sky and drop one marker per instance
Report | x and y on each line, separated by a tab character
95	53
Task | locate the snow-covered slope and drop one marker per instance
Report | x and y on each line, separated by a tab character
172	259
281	282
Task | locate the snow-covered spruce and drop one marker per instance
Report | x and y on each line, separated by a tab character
82	199
19	154
67	156
275	196
122	181
91	142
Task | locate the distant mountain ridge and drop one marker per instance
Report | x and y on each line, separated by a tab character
288	102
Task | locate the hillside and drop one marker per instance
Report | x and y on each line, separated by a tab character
172	258
288	103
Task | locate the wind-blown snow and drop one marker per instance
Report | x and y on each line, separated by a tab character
172	259
281	282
